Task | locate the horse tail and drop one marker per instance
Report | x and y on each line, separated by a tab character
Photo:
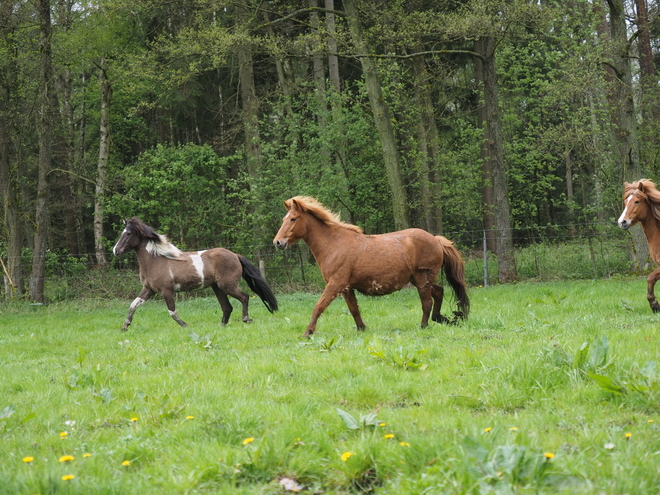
258	284
454	269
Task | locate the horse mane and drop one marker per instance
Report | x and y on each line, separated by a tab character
157	244
646	190
316	209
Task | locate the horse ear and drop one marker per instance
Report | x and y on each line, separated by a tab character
642	185
286	204
294	204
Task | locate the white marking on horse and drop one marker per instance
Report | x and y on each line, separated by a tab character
198	263
287	215
175	284
625	211
114	249
137	302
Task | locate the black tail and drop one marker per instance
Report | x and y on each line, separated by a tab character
258	285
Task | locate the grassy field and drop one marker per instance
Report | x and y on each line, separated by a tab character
511	401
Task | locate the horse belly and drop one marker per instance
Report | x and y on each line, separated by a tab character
379	286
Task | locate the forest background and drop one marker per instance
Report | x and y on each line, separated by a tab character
506	124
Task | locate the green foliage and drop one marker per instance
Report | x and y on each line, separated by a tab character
402	356
205	342
170	186
366	420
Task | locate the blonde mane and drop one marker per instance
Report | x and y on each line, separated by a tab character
645	189
163	247
316	209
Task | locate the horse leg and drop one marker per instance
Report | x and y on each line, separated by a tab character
421	281
145	294
168	295
351	301
324	301
437	291
653	277
244	298
224	303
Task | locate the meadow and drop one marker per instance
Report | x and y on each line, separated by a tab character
546	388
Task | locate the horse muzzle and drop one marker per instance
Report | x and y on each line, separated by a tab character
624	224
281	243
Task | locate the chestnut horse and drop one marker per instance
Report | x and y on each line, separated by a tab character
164	269
641	201
372	264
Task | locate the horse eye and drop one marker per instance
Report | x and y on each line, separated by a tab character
294	219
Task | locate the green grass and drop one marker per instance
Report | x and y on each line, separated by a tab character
198	393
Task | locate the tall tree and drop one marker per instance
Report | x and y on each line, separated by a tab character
102	165
506	265
624	130
13	274
45	127
382	118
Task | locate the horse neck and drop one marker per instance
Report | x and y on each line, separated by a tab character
321	237
651	231
143	256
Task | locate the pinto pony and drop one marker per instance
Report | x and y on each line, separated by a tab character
372	264
641	202
164	269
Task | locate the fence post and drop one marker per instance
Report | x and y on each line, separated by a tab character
485	261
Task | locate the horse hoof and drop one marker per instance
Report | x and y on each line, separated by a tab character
247	320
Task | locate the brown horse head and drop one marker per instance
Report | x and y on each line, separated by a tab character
294	225
137	233
640	199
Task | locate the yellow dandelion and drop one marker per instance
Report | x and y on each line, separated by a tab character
126	463
650	421
134	419
628	435
248	440
28	459
87	455
64	434
486	430
389	435
68	477
382	423
346	455
499	473
514	428
190	417
404	444
66	458
548	455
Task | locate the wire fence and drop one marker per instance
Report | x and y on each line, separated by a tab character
565	252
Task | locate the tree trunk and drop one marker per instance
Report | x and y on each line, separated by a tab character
646	66
45	128
104	153
506	265
249	100
486	169
429	148
333	60
319	82
12	272
382	119
625	129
